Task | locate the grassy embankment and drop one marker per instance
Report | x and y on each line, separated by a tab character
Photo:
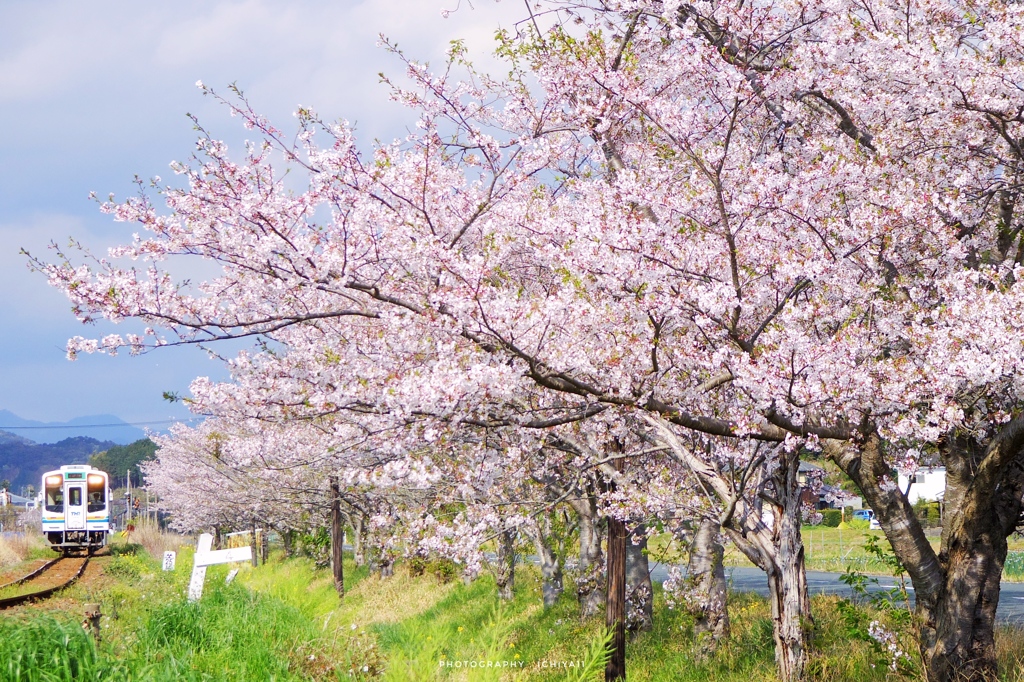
284	622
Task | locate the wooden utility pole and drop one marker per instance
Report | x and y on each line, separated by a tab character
615	614
337	537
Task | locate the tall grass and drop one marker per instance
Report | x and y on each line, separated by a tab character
44	649
18	547
155	539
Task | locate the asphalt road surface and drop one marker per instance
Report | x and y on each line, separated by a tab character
1011	595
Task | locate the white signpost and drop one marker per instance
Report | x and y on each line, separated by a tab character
169	558
204	557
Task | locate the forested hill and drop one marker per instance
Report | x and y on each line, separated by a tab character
23	462
120	459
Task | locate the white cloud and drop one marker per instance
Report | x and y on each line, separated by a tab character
92	93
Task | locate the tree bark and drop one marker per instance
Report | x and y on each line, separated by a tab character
337	538
550	562
505	565
787	587
252	545
359	540
707	574
288	539
956	590
590	581
777	550
639	590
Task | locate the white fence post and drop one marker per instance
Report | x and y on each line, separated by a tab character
204	557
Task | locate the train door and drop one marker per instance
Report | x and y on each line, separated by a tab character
74	516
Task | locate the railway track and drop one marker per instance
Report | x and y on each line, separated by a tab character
51	577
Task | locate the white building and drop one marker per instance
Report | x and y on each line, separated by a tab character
929	484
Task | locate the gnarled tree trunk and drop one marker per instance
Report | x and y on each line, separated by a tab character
787	589
550	562
777	550
591	580
288	539
707	574
337	537
639	590
957	590
505	564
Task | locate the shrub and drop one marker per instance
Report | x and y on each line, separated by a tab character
445	570
417	565
832	517
317	546
126	549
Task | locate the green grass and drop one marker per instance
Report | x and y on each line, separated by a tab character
151	633
285	622
419	626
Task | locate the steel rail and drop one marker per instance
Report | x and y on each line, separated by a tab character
43	594
31	575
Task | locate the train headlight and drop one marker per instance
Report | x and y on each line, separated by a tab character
54	480
95	479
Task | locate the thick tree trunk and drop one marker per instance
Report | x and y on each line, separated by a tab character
777	550
780	554
590	582
707	574
958	630
550	562
265	546
639	590
957	590
505	564
337	538
791	605
383	561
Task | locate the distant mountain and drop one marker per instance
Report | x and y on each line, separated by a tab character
104	427
23	462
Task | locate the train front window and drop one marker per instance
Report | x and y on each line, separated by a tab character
75	497
54	500
97	499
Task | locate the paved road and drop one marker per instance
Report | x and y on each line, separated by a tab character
1011	596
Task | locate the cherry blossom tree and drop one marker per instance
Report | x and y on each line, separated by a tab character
809	238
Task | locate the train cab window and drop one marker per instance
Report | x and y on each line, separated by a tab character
54	500
97	485
75	497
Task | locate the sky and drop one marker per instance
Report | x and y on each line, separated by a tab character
93	94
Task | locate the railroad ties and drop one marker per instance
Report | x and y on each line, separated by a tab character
52	577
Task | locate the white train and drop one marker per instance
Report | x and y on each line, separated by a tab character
76	508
